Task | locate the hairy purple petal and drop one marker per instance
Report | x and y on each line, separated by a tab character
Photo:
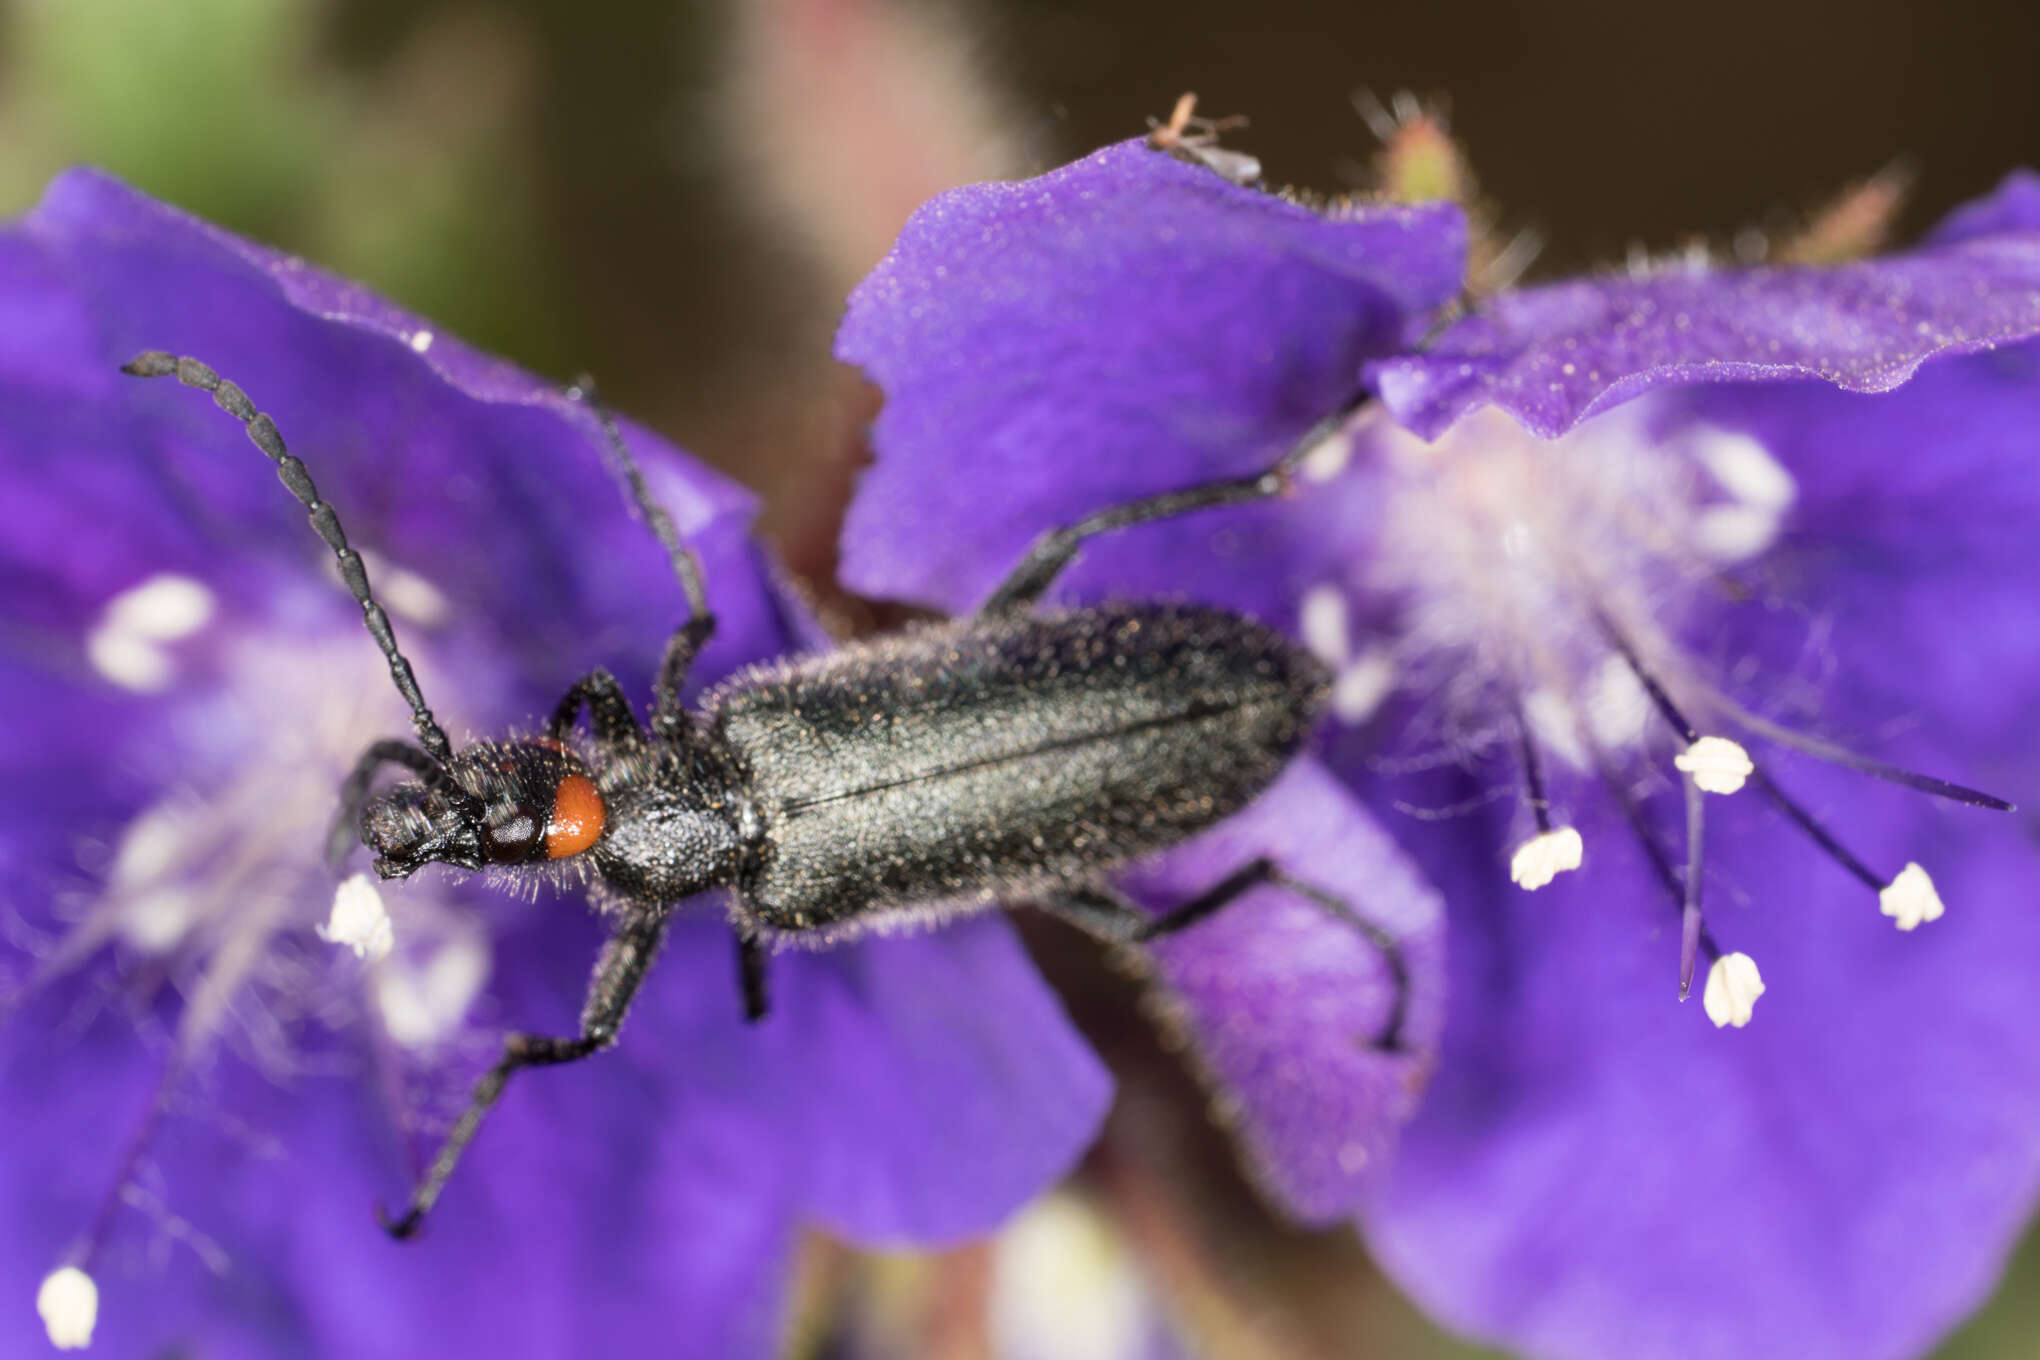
1552	356
1124	325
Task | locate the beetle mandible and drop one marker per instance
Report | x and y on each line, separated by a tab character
1013	753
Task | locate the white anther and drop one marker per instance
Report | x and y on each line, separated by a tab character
1716	764
1362	685
1735	533
1555	726
163	608
1063	1249
1910	898
1328	457
126	645
1322	620
1733	986
1545	856
68	1303
359	921
421	341
402	591
1746	469
424	1006
1617	705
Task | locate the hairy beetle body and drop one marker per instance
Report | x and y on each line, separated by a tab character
1011	753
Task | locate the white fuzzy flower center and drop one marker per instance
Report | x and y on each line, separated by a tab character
1543	591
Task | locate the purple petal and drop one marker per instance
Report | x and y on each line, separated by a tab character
1121	326
2011	207
1285	1007
949	1080
1552	356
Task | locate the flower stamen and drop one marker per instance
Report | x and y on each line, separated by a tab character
1689	908
68	1303
1553	850
1909	897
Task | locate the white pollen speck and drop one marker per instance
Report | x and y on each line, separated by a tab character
1617	705
421	341
422	1006
1716	764
1362	685
1733	986
1545	856
359	920
1322	620
1910	898
68	1303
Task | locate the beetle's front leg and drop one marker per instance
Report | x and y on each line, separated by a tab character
619	973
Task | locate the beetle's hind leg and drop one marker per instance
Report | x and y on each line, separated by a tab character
619	973
1109	914
1055	548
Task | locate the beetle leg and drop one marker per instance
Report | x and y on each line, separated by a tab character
1055	548
681	650
608	709
1110	914
619	973
751	974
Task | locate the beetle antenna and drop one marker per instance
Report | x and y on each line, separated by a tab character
624	467
291	471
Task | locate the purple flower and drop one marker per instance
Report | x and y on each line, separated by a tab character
202	1102
1787	511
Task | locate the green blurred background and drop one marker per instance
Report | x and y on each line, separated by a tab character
676	197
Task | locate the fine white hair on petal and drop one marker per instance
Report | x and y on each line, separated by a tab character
1717	764
359	921
1733	986
1910	898
68	1303
1545	856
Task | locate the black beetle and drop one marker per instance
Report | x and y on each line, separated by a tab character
1011	754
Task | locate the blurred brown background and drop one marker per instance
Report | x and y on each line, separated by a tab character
677	196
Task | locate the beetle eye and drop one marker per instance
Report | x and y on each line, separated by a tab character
511	840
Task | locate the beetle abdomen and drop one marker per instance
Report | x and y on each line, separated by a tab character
1006	754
